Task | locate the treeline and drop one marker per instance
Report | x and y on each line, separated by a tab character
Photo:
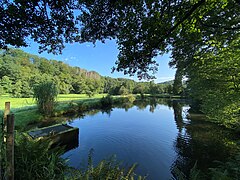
20	72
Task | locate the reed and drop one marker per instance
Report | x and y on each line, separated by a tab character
45	95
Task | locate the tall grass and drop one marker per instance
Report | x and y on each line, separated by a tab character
106	169
45	95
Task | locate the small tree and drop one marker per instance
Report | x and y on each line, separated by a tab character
45	95
123	91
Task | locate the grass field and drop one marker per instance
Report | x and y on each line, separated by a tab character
19	103
25	109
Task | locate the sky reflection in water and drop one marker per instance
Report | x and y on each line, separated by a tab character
156	134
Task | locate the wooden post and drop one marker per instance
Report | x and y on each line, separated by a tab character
3	139
1	149
6	112
10	147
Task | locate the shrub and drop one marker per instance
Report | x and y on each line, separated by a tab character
45	95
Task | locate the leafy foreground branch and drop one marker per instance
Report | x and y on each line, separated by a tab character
36	160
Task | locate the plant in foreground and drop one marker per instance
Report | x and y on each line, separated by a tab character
36	160
106	169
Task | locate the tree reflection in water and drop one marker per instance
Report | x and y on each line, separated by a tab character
198	141
193	139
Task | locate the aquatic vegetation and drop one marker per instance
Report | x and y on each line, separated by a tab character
106	169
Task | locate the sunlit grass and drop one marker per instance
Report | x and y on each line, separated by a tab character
26	103
16	102
25	109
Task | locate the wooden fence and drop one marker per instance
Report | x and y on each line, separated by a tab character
7	145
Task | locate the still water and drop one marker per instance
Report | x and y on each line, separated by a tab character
156	135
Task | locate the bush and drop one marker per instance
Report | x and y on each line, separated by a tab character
45	95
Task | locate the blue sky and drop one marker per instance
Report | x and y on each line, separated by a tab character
100	58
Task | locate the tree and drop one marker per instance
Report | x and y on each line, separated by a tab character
214	81
152	88
91	88
16	89
177	85
6	84
144	29
123	91
138	89
50	23
169	89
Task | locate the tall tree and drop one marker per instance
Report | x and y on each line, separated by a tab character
177	85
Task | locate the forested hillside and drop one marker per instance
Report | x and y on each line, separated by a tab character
20	72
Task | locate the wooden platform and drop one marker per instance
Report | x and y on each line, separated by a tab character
60	134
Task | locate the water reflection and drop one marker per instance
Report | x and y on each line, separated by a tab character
198	141
154	133
178	110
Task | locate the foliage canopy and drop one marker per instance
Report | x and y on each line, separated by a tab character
143	28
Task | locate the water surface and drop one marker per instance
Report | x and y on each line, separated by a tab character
157	135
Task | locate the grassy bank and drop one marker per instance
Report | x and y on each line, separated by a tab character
27	115
18	103
26	112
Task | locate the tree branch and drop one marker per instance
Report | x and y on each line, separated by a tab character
188	14
219	27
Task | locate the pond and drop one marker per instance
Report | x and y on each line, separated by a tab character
156	134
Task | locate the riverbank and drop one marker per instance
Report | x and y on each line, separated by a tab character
66	110
27	115
26	112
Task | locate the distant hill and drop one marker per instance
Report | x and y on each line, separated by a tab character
21	71
167	82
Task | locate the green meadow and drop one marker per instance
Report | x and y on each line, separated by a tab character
25	109
22	103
